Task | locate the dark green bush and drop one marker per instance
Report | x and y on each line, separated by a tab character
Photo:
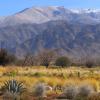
6	58
63	62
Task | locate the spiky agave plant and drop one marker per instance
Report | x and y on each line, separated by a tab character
14	88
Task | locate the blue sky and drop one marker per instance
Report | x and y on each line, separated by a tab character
8	7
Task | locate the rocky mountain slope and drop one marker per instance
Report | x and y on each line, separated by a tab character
74	32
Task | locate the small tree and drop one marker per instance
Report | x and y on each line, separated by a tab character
5	58
46	57
62	61
28	60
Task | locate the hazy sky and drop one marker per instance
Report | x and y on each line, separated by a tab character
8	7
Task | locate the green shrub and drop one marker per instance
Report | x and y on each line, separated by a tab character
63	62
39	74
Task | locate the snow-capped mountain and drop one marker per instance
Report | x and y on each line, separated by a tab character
75	32
44	14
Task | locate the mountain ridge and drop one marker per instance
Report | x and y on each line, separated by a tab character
45	14
75	34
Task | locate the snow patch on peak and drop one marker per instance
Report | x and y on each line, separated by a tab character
89	10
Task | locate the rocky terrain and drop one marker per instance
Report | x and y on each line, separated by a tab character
75	32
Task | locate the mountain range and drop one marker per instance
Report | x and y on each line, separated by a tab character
75	32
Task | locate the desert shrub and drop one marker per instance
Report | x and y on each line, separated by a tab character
85	90
94	96
39	90
70	92
62	61
89	63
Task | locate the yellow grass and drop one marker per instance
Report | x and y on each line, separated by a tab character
53	77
